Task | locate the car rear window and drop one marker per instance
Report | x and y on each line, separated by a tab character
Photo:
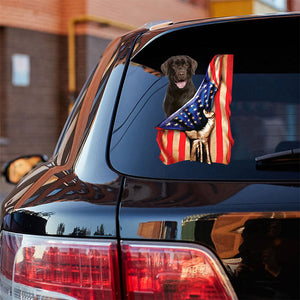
247	77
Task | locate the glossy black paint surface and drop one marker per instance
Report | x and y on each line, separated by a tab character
253	228
185	205
67	207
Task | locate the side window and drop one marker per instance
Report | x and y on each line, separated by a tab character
207	112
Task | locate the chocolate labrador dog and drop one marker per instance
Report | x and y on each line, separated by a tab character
179	70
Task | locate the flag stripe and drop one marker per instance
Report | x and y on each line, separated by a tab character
224	120
225	116
176	145
170	136
224	141
219	133
159	139
226	112
229	77
182	142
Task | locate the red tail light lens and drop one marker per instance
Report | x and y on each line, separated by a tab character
35	267
176	271
55	268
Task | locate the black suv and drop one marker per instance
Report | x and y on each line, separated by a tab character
176	175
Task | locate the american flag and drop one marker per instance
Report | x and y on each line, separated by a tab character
214	94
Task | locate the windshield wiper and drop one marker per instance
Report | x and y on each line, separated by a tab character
287	160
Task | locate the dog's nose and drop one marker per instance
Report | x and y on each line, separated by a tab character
181	74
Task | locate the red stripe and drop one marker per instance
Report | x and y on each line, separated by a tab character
228	101
182	140
219	131
169	149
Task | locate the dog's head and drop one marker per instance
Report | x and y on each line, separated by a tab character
179	69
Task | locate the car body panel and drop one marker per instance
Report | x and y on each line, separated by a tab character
67	206
250	227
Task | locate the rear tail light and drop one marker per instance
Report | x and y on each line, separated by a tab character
173	271
57	268
34	267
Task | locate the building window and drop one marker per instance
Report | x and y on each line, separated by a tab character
20	70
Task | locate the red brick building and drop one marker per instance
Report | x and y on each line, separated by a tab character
34	59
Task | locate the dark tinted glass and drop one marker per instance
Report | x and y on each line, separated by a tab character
264	107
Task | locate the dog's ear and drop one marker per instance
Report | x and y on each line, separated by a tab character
194	64
165	67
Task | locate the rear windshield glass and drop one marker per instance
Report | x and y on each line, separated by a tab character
198	103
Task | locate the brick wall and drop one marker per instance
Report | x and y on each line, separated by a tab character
32	115
34	14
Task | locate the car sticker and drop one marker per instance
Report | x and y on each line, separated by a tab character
200	129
